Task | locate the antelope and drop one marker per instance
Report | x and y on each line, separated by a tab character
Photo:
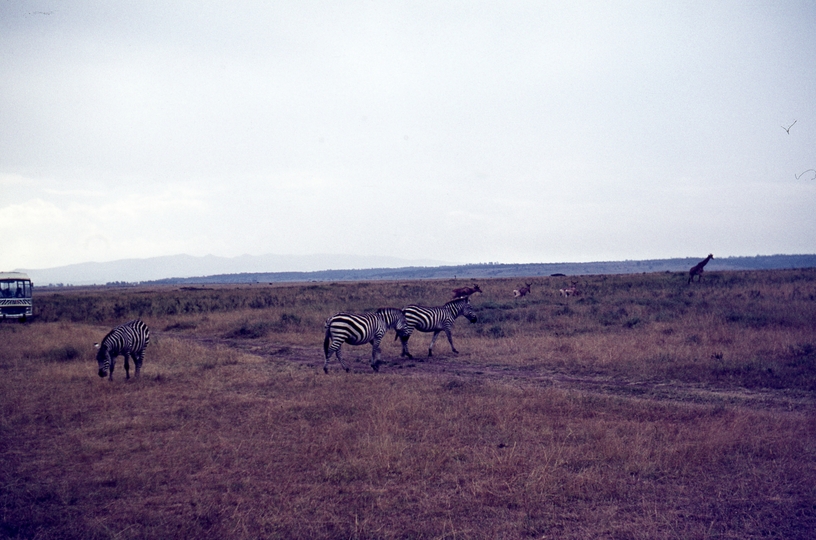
697	269
572	290
522	291
463	292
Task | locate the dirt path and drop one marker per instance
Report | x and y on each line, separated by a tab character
456	368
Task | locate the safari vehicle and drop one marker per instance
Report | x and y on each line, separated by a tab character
15	296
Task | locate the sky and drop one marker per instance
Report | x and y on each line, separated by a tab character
458	131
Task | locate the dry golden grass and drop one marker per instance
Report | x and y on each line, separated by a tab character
557	419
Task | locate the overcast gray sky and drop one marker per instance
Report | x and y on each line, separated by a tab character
460	131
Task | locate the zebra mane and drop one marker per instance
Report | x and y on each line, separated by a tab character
456	304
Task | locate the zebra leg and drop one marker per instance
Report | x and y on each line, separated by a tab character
328	349
333	348
342	363
112	363
450	340
375	354
433	339
404	339
329	352
127	365
137	361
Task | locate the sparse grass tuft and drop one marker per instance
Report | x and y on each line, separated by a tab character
250	330
66	353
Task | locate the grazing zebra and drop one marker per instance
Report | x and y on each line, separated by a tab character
697	269
359	329
126	339
436	320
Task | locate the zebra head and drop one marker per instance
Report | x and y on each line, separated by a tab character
103	359
462	306
468	312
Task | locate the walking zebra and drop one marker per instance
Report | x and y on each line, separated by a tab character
359	329
436	320
126	339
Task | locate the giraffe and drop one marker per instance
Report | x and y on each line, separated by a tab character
697	269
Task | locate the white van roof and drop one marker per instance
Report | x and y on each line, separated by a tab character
13	275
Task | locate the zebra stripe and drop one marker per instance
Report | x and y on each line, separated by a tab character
359	329
128	339
436	320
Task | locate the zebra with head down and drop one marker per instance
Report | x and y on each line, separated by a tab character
128	339
436	320
359	329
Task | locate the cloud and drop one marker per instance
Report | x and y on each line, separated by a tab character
97	225
516	131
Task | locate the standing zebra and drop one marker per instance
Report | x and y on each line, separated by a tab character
436	320
126	339
359	329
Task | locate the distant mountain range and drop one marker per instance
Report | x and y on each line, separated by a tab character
186	266
185	269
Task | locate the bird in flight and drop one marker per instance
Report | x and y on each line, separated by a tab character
787	129
798	176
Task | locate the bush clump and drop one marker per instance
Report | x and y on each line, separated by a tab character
65	353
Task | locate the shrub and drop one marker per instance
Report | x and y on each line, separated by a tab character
65	353
249	330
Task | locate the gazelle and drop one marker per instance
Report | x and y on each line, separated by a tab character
522	291
572	290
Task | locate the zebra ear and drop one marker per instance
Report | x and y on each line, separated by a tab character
96	345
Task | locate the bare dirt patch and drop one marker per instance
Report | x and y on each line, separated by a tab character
464	367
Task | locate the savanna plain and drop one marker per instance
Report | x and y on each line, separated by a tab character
642	407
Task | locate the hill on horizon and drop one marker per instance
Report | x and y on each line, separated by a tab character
498	270
188	266
90	273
